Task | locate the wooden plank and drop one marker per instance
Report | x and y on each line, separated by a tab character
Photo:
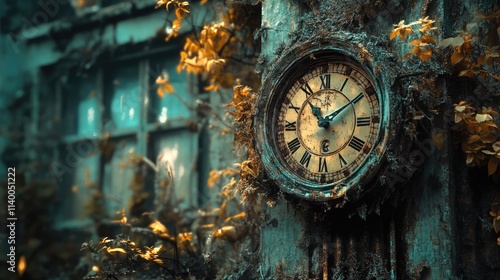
281	254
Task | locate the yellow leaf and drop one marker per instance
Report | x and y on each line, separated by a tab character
418	115
241	215
464	73
231	184
437	139
179	67
158	261
425	55
160	92
427	39
404	32
483	118
454	42
21	267
415	42
460	107
180	13
492	168
213	177
158	227
393	35
185	237
496	146
488	152
168	88
488	138
495	210
401	30
160	3
481	59
473	138
456	57
115	250
211	88
105	240
470	159
496	226
226	231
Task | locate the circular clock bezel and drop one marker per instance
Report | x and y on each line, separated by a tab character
276	84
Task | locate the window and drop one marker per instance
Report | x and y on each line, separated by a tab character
118	102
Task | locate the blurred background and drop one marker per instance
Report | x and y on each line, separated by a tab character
105	132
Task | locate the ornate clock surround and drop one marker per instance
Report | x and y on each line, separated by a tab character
278	81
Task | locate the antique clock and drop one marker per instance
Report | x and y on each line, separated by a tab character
321	122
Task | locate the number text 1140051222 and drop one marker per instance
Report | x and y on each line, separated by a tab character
11	218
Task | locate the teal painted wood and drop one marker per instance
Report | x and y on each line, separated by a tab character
281	235
414	240
284	228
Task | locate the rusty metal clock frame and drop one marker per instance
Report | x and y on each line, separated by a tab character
321	122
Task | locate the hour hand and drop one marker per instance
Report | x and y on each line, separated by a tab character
316	112
330	117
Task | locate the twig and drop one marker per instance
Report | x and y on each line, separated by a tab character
150	164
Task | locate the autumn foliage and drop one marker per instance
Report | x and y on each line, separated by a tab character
474	53
480	135
216	50
421	46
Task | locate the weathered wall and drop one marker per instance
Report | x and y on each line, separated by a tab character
422	231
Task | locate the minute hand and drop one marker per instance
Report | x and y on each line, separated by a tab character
330	117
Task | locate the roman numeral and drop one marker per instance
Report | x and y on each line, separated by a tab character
343	85
356	143
294	145
322	165
325	81
357	98
290	126
307	89
363	121
295	108
306	157
342	161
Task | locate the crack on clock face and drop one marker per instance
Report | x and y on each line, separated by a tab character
328	99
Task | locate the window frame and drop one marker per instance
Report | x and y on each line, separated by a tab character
145	130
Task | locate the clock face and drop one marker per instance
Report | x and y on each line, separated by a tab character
319	124
328	122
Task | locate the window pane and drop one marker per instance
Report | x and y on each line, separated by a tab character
88	116
170	106
118	175
78	168
178	149
80	106
123	94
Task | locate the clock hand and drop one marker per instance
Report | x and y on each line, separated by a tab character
316	112
326	121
